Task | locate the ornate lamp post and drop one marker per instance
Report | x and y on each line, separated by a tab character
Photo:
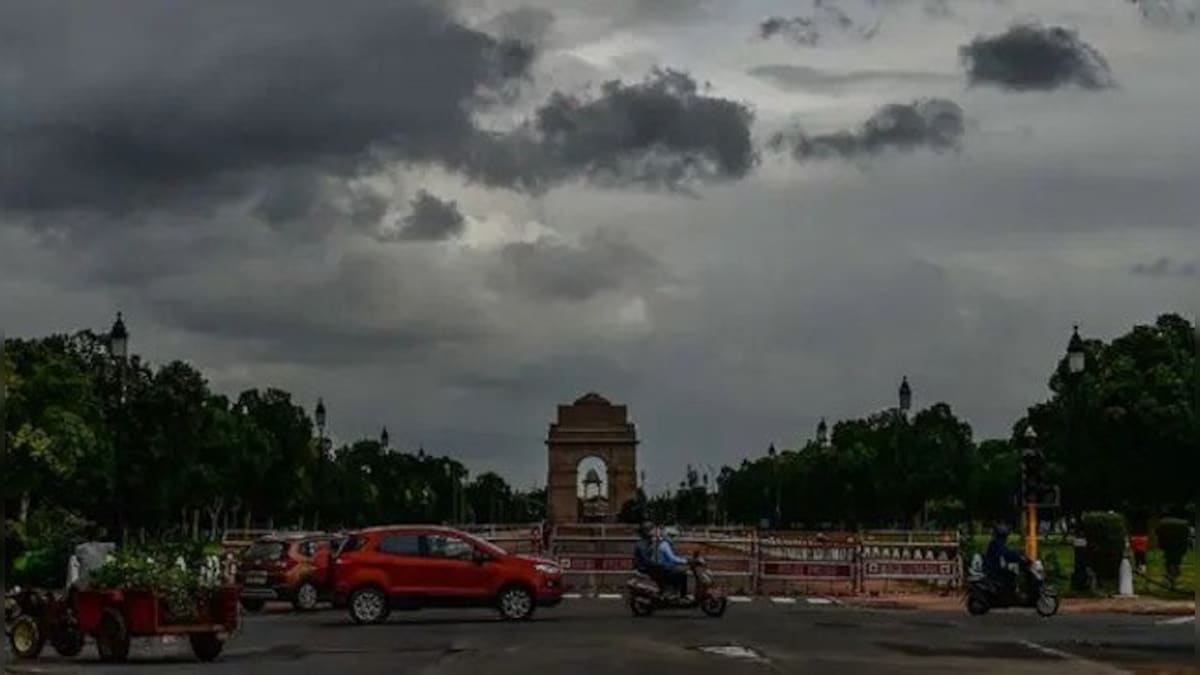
118	350
905	395
319	497
1076	358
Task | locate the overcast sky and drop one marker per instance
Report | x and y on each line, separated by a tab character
735	217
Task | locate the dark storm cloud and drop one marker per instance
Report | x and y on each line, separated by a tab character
1167	267
811	29
661	132
549	269
294	309
936	124
1029	56
188	103
788	76
432	219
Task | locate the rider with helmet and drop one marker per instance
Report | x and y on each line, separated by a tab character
998	557
674	565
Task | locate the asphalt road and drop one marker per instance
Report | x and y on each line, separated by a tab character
599	636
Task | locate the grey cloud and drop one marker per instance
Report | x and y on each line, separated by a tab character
1029	56
1169	13
810	30
935	124
432	219
1167	267
603	261
529	25
294	309
658	133
804	77
119	111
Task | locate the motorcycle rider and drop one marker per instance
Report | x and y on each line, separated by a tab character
998	557
643	551
674	566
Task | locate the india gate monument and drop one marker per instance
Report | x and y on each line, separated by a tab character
591	427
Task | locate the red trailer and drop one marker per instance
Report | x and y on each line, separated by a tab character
114	617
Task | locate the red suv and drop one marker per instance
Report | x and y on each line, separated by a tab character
293	567
409	567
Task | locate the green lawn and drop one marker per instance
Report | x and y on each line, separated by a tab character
1058	556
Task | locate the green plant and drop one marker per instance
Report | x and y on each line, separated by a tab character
177	571
1106	540
1174	539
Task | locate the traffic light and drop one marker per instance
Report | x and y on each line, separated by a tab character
1033	466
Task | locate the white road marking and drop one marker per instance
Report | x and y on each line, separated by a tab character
1177	621
610	596
783	601
572	596
1094	666
818	601
740	598
734	652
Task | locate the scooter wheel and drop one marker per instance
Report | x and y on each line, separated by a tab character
977	606
641	606
1047	605
714	607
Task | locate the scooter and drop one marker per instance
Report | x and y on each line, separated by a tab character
647	596
985	593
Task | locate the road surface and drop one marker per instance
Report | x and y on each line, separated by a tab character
598	636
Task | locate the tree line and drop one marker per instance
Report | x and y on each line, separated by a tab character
139	449
1122	434
153	451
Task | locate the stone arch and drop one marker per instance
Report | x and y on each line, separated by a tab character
590	427
593	489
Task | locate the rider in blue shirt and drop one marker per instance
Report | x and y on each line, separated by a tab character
999	556
667	559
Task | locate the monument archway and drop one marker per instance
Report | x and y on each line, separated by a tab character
592	426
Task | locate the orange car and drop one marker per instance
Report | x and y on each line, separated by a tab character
412	566
292	567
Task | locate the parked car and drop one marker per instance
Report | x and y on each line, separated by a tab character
292	567
411	567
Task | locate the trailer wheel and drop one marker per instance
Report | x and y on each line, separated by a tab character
67	640
112	639
206	646
27	638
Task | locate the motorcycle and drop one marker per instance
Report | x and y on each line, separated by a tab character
985	593
647	596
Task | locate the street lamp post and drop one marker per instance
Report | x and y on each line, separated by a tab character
384	439
118	350
905	395
318	498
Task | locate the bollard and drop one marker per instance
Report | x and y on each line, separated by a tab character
1125	582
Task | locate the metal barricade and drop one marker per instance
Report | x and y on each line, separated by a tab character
807	563
909	560
525	539
593	557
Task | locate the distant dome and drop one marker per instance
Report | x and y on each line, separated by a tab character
592	398
592	477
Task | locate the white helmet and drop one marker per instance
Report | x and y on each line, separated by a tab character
670	532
